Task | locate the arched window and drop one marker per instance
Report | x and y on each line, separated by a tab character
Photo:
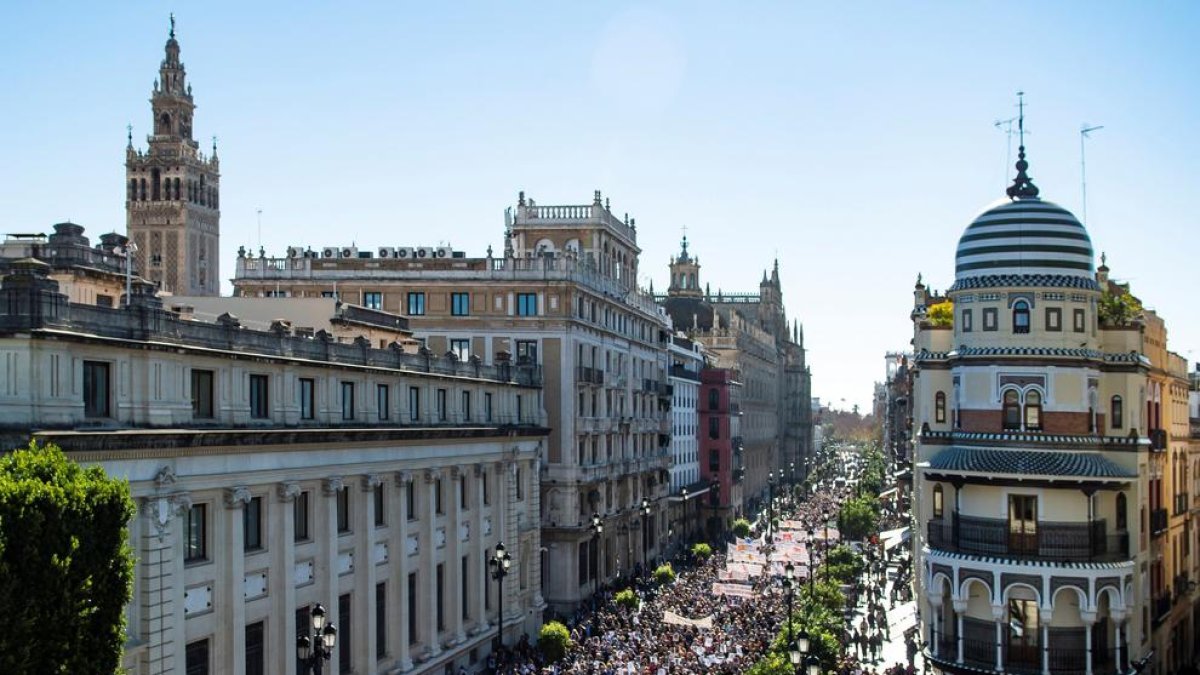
714	399
939	407
143	191
176	188
1020	317
937	501
155	189
1122	512
1033	411
1117	412
1012	410
133	189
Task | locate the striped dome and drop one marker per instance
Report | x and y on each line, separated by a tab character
1025	236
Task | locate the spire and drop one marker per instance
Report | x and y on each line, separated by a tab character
1022	187
683	253
171	35
129	136
775	273
764	281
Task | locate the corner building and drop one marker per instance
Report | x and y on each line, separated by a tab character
1040	456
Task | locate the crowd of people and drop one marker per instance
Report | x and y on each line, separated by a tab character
668	632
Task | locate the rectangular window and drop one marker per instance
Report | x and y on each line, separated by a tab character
1080	320
343	510
252	525
373	300
197	534
343	635
714	428
967	321
303	629
308	396
416	304
487	407
410	501
460	304
414	404
520	484
1053	318
483	485
256	663
989	318
328	294
441	405
96	389
464	591
527	351
462	492
527	304
466	406
461	347
202	394
379	504
347	401
380	620
441	587
259	399
714	460
412	607
437	496
383	401
520	411
300	517
196	658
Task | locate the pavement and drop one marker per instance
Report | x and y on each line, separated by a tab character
900	618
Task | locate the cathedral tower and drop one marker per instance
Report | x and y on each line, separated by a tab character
173	191
685	274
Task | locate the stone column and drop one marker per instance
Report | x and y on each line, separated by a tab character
161	563
1089	620
513	536
232	609
478	567
399	554
364	577
998	615
1118	618
535	511
282	585
960	608
325	572
428	557
452	595
1045	616
935	612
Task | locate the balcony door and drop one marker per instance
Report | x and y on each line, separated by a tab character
1024	650
1022	525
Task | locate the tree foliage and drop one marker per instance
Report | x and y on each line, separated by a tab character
664	574
844	564
941	314
1119	308
554	640
626	598
741	528
66	568
702	550
859	517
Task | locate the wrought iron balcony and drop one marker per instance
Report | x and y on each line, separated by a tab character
1158	439
1160	607
1048	541
1159	521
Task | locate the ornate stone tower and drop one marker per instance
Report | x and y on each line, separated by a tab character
173	191
685	274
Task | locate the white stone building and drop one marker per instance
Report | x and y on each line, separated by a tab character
687	360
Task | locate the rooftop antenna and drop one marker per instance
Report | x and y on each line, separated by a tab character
258	211
1007	126
1084	130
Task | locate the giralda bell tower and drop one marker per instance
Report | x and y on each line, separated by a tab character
173	191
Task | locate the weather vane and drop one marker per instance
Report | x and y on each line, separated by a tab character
172	33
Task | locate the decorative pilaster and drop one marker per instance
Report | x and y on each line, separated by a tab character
960	608
160	556
428	556
364	570
232	611
326	535
452	594
478	567
282	584
998	615
400	562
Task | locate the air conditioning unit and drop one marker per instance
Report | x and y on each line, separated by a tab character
445	252
387	252
426	252
329	252
349	252
404	253
295	251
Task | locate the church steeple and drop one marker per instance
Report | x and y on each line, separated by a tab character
172	97
685	273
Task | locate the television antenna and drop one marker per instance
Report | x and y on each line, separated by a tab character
258	213
1007	127
1084	130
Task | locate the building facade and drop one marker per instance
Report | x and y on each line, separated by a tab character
722	448
275	471
1041	460
173	195
686	363
563	296
86	274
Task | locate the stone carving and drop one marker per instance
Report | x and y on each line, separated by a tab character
404	479
237	497
288	491
431	475
333	485
165	477
371	481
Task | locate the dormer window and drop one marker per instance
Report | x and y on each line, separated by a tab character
1020	317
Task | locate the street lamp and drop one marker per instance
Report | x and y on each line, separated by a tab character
597	528
812	665
770	503
313	651
645	534
500	563
789	582
686	530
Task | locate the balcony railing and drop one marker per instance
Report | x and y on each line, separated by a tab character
1066	653
1050	541
589	375
684	373
1182	503
1160	607
1158	522
1158	439
1181	586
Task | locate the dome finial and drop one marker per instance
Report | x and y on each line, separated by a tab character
171	35
1022	187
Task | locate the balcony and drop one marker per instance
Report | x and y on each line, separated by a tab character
684	374
1182	502
1065	652
1158	440
1050	541
1158	522
589	375
1160	606
1183	586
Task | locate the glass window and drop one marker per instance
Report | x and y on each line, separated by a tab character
256	663
483	486
308	392
252	525
343	635
259	398
300	517
380	620
460	304
1033	411
410	501
440	592
1080	321
989	318
196	547
441	405
196	658
527	351
714	460
202	394
1053	318
466	406
714	399
1122	512
377	495
437	496
487	407
937	501
416	304
373	299
527	304
96	389
383	401
1012	410
1020	317
1117	415
414	404
714	428
412	607
461	347
343	510
939	407
967	323
347	401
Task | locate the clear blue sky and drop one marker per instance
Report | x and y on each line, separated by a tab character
854	141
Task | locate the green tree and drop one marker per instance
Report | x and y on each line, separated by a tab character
741	528
66	568
941	314
626	598
702	550
859	517
665	574
1119	308
844	564
554	640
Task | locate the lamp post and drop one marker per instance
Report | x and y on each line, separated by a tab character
314	650
789	590
645	534
770	503
500	563
714	499
597	528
